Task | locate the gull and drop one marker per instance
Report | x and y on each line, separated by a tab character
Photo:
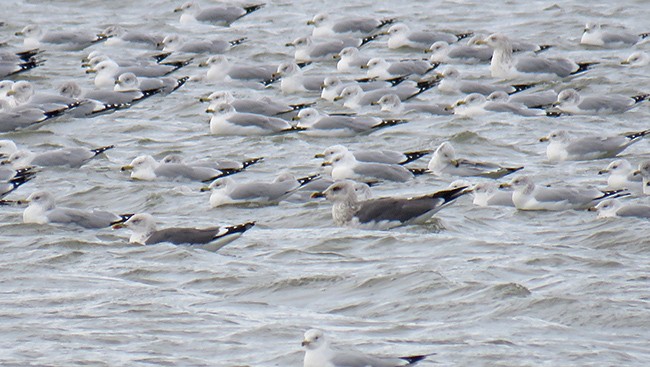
354	97
346	166
488	194
386	212
528	196
313	122
392	103
350	60
562	146
602	36
146	168
23	95
569	101
293	80
333	86
16	118
374	155
215	15
222	164
401	36
379	68
11	179
505	66
612	208
129	82
476	104
117	35
108	71
7	147
99	101
35	37
220	69
307	49
10	68
319	353
174	43
325	26
442	52
517	45
20	56
543	99
264	106
444	162
227	121
622	176
451	82
42	209
145	232
644	171
226	191
636	59
73	157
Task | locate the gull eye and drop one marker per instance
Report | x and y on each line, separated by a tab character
334	189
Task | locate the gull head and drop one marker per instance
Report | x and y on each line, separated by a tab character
314	339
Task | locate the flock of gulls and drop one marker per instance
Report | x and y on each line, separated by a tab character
374	93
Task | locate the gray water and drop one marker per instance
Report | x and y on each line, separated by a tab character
478	287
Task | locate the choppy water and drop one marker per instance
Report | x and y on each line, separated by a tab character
492	287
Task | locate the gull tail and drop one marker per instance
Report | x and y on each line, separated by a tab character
369	39
462	36
27	55
268	82
180	82
543	48
447	195
123	218
250	162
238	228
640	98
307	179
54	113
613	194
418	171
584	66
161	56
522	87
386	21
106	108
637	135
101	150
550	113
424	86
412	156
300	106
252	8
27	66
238	41
389	122
100	38
177	64
501	172
397	80
224	172
644	35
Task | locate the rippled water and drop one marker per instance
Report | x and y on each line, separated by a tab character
482	286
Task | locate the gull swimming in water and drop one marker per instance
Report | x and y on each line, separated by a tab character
622	176
612	208
325	26
374	155
562	146
346	166
227	121
42	209
146	168
600	35
444	162
73	157
215	15
571	102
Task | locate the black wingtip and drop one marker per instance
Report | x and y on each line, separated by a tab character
414	359
543	48
584	66
412	156
397	80
389	122
521	87
238	41
225	172
161	56
101	150
462	36
180	82
307	179
294	128
386	21
238	228
644	35
640	98
368	39
123	218
637	135
252	8
419	171
252	161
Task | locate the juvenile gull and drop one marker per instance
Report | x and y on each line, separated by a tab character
325	26
392	103
569	101
174	43
42	209
73	157
145	232
476	104
216	15
637	59
379	68
386	212
612	208
36	37
227	191
444	162
505	66
227	121
528	196
146	168
376	155
562	146
400	35
264	106
600	35
346	166
319	353
313	122
24	95
623	176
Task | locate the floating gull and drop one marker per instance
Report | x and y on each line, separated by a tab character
174	43
36	37
221	165
292	79
488	194
319	353
644	171
379	68
24	95
9	68
7	147
444	162
108	71
392	103
221	69
19	56
145	232
528	196
129	82
216	15
637	59
333	86
354	97
117	35
505	66
377	155
451	82
99	101
602	36
309	50
517	44
264	106
73	157
42	209
612	208
346	166
401	36
325	26
146	168
350	60
442	52
314	123
16	118
386	212
227	191
562	146
623	176
227	121
11	179
476	104
569	101
544	99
